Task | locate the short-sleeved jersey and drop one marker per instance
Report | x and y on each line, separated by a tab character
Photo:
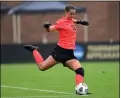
67	33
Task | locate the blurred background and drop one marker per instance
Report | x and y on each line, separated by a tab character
22	23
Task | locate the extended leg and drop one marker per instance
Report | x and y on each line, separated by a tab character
42	65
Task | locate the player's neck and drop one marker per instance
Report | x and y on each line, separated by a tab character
69	18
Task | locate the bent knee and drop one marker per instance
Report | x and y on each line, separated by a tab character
41	67
80	71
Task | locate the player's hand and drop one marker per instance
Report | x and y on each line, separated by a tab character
85	23
46	25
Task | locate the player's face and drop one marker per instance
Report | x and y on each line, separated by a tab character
71	13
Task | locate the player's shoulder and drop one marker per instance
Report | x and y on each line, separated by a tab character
60	20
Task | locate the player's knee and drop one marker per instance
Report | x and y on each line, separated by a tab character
41	67
80	71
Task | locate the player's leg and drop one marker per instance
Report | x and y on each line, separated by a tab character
48	63
75	65
42	65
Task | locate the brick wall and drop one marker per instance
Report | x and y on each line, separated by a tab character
103	18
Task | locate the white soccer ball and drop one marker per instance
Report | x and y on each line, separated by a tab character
81	89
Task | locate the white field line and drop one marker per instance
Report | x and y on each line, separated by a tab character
62	96
22	88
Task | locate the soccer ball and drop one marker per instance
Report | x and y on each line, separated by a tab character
81	89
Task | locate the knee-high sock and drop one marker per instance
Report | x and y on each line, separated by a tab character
79	75
79	78
37	56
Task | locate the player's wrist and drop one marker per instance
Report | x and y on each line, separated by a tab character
78	21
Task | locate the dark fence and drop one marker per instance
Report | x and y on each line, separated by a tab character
84	51
98	51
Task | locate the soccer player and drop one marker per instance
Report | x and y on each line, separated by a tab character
64	50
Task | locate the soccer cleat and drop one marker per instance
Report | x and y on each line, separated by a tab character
30	47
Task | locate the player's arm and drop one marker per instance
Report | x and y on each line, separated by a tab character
83	22
49	27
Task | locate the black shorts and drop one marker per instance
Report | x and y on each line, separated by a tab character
62	55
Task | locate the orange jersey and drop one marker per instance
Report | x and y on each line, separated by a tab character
67	33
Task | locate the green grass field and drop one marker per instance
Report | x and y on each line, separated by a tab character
26	81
